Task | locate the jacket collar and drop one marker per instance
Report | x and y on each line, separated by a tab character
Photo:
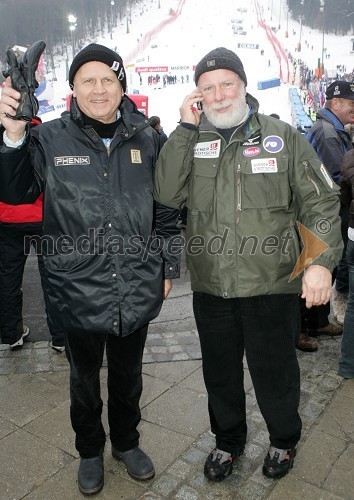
329	116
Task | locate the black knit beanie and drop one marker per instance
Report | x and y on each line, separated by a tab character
220	58
100	53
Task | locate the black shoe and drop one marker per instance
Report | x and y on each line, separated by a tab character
278	462
138	464
219	464
90	476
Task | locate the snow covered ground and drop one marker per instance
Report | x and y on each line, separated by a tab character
158	39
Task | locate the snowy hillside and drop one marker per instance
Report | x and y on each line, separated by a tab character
173	38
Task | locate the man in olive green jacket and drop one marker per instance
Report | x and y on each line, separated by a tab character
252	185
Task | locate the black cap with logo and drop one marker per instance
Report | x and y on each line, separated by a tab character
340	89
96	52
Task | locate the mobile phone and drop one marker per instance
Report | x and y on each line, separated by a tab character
200	105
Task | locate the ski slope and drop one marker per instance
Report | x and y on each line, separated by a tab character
179	33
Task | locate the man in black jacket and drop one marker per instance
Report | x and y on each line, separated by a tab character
105	245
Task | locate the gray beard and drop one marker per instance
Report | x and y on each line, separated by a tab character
234	117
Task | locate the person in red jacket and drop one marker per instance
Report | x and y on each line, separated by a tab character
19	225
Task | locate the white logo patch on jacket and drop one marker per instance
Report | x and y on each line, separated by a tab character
209	149
264	166
135	156
60	161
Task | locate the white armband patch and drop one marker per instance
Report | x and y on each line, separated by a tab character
326	176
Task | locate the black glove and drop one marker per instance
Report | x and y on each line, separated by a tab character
22	74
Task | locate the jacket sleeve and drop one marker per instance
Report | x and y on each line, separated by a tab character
173	168
169	233
19	181
318	200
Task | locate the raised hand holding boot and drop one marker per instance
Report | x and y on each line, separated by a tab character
22	73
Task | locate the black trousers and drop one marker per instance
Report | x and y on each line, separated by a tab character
265	327
84	352
13	257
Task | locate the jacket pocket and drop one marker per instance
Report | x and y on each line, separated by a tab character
202	187
266	189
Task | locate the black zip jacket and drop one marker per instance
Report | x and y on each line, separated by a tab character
105	243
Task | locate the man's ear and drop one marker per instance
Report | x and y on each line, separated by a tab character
335	103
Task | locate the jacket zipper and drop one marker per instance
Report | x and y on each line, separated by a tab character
308	175
238	186
238	177
107	143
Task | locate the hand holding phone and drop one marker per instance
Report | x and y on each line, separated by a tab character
190	111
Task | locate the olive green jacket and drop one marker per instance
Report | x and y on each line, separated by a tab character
245	200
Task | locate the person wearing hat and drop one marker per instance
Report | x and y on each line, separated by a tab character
331	141
107	266
250	183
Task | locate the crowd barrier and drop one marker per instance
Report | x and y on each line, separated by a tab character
299	117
